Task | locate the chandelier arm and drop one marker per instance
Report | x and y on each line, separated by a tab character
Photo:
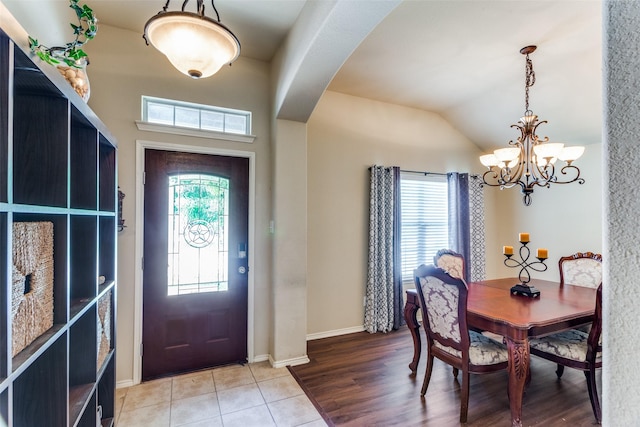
166	5
576	178
184	4
215	10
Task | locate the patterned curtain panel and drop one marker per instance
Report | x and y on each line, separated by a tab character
458	185
477	238
383	299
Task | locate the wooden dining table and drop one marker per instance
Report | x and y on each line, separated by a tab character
491	307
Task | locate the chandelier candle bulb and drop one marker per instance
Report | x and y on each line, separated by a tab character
507	250
523	237
543	253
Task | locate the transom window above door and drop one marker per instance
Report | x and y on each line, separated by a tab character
187	118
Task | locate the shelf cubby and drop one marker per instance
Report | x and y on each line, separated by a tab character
4	304
4	408
84	158
82	362
107	176
5	55
40	144
106	391
40	392
60	248
82	254
106	248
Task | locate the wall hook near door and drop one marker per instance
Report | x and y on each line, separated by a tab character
121	196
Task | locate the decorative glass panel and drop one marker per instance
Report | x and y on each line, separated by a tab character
198	234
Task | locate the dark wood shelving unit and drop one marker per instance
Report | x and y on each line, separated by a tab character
58	166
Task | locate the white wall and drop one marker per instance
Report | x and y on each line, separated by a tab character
345	136
122	70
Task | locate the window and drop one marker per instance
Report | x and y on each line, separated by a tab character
196	116
198	221
425	220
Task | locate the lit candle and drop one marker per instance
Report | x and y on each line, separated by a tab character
543	253
507	250
523	237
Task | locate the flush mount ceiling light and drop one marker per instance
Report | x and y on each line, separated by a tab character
530	160
196	45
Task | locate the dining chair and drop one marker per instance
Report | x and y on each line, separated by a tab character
582	269
443	301
451	262
576	349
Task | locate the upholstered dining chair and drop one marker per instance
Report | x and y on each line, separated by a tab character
577	349
443	301
582	269
451	262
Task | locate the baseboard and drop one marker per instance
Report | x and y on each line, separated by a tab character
125	384
289	362
260	358
335	333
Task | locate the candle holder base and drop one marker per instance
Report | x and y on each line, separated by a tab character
525	290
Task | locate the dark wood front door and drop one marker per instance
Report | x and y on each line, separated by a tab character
195	262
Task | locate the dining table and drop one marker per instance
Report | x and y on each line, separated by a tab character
492	307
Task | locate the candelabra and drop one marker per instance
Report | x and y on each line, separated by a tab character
523	288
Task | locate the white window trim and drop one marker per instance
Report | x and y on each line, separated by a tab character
199	133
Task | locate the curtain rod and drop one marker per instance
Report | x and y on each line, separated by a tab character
433	173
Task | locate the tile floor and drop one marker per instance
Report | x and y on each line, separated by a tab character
251	395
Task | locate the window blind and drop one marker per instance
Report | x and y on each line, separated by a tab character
424	220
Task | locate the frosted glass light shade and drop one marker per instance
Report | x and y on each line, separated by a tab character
489	160
569	154
507	154
196	45
551	149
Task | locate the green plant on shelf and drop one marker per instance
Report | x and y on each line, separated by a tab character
72	53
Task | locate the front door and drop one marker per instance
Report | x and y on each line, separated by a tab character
195	262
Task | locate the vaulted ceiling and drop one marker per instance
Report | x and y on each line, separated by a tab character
457	58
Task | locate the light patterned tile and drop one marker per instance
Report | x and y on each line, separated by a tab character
211	422
238	398
148	416
293	411
279	388
147	394
192	385
232	376
191	409
264	371
316	423
258	416
121	393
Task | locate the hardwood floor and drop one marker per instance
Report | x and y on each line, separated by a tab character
363	379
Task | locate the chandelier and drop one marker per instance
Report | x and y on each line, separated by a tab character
196	45
530	161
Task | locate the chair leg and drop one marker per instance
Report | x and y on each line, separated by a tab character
560	371
427	375
455	372
464	396
593	393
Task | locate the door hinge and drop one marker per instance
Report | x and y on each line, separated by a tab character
141	348
144	178
143	263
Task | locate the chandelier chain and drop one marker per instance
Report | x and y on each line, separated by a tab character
530	80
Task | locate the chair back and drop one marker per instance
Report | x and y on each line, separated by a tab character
594	342
443	300
582	269
451	262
